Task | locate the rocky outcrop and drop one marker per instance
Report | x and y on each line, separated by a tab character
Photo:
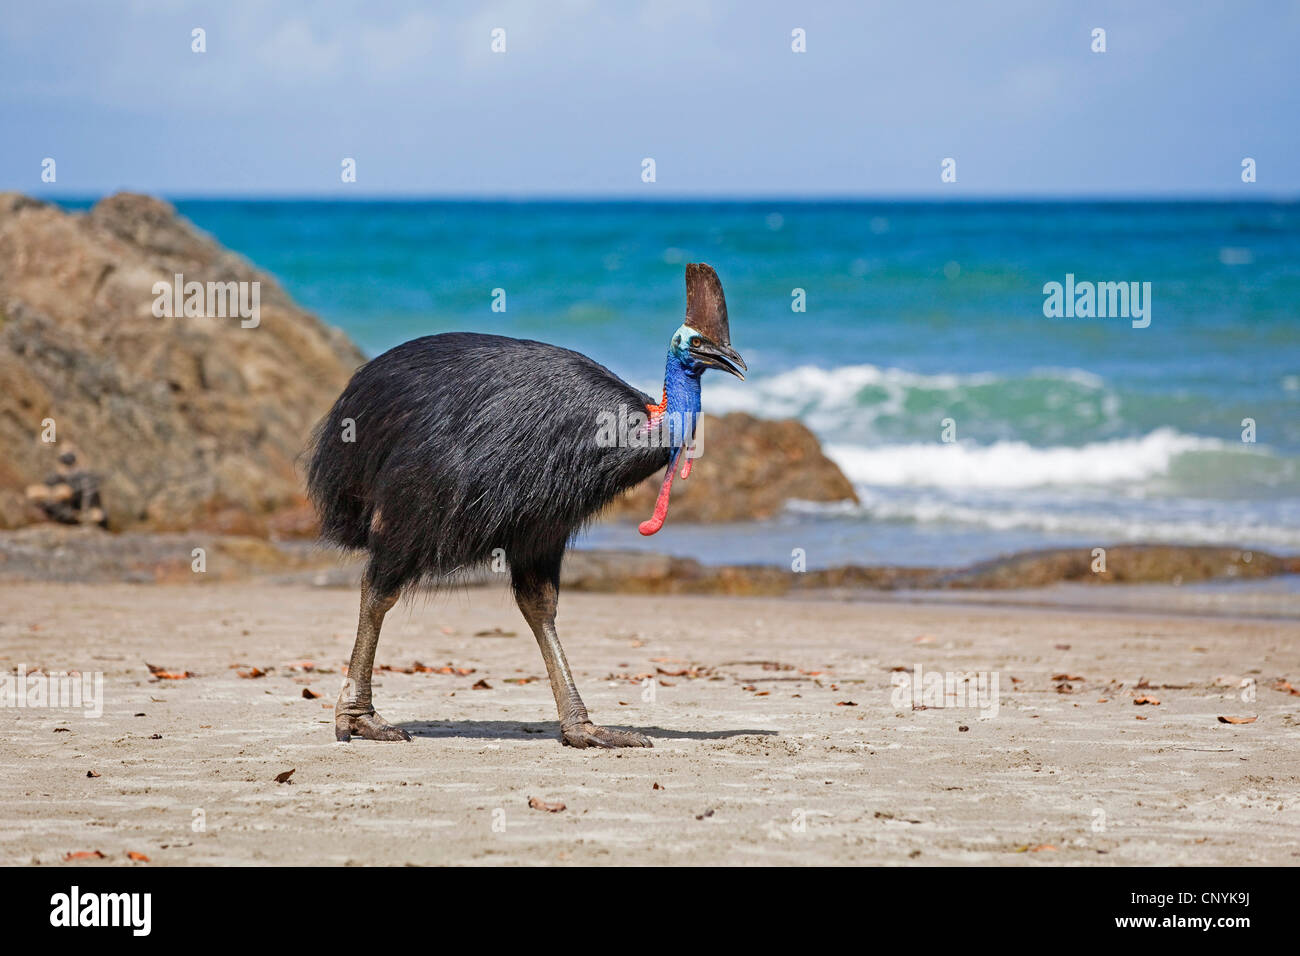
67	554
748	469
1125	564
647	573
190	422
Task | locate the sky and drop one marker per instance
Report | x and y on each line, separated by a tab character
711	91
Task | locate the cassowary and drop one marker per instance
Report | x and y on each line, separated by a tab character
449	447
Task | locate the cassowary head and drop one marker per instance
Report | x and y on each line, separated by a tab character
702	342
704	339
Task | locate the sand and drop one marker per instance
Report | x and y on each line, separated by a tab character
788	746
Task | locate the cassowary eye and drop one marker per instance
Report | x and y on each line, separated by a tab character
695	341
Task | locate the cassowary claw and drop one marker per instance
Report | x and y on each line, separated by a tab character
367	726
593	735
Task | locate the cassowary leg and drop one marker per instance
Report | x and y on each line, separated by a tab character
353	714
537	596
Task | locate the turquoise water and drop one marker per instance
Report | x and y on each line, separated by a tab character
1068	431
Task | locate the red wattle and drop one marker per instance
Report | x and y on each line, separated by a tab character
656	522
650	526
686	468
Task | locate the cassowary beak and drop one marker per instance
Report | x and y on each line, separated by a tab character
718	356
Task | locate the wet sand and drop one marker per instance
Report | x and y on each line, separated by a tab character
779	736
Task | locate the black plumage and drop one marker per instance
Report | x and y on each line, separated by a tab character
464	443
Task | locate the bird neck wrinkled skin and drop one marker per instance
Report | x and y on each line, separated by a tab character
680	407
675	418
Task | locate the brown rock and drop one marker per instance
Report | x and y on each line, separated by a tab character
190	422
749	468
1125	564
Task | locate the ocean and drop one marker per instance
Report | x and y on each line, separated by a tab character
1067	431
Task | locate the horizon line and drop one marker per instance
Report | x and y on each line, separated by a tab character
680	198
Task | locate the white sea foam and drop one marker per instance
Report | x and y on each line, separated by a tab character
1207	523
1016	464
810	386
1165	485
832	401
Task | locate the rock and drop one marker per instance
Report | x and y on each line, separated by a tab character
749	468
634	572
66	553
1125	564
646	573
192	423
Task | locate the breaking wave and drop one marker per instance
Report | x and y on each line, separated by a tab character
1016	464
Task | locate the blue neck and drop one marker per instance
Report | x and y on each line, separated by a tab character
682	390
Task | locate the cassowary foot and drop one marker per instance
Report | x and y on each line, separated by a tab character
367	726
591	735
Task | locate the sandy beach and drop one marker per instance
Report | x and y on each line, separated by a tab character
778	735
